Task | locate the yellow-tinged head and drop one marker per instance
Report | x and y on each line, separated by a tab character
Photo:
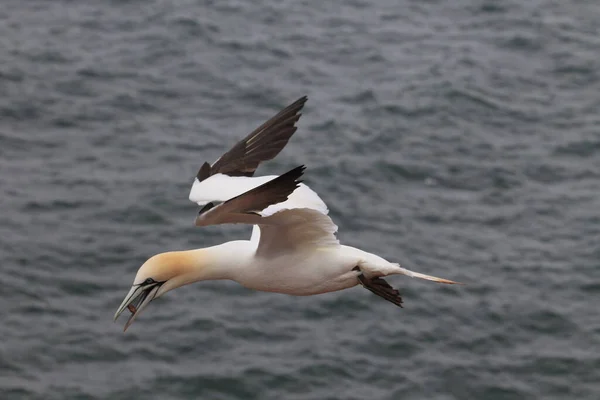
158	275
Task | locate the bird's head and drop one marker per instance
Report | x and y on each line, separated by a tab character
158	275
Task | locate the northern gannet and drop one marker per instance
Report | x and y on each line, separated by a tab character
293	248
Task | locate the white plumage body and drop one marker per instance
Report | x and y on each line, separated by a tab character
307	271
293	250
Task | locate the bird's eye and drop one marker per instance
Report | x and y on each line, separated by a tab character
149	281
206	207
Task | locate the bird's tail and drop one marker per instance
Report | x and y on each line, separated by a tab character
414	274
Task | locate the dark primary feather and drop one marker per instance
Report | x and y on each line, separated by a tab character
244	207
263	144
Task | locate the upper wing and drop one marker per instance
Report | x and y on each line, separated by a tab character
263	144
220	188
247	207
290	230
284	221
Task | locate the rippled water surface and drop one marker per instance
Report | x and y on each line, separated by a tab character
459	138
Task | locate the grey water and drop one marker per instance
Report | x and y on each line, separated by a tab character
459	138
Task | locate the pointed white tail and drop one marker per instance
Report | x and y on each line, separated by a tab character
413	274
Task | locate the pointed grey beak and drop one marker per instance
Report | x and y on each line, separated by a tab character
136	300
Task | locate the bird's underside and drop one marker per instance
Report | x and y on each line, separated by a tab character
381	288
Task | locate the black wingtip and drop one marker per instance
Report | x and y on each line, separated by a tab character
296	106
294	174
292	177
203	172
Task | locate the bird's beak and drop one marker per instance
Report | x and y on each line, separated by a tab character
137	299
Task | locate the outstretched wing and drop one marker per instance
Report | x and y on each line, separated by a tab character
263	144
220	188
247	207
282	223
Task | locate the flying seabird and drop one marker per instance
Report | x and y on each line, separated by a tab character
293	248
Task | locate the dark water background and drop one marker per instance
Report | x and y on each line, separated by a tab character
461	138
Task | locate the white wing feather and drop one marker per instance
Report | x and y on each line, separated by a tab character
221	187
292	229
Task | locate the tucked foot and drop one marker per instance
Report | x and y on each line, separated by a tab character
381	288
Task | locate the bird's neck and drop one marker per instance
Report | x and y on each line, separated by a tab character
217	262
222	261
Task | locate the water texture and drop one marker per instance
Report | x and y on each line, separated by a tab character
458	138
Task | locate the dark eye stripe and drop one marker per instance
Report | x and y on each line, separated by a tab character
149	281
